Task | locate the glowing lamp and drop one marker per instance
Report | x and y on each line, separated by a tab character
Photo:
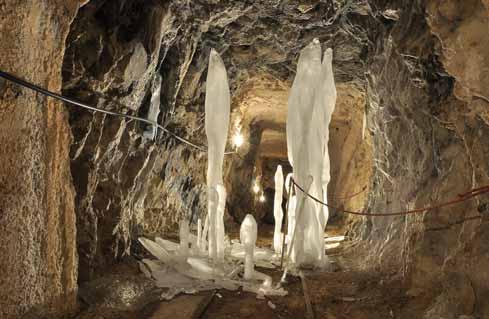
238	140
256	188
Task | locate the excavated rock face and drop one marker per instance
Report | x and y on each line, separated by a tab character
114	50
427	114
38	263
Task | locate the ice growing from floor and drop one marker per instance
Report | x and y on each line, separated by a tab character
310	106
248	233
217	112
278	213
204	259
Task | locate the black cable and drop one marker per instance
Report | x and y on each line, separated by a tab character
65	99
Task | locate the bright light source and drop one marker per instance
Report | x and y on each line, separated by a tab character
262	198
256	188
238	139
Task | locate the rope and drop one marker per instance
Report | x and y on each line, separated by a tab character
461	198
18	81
352	195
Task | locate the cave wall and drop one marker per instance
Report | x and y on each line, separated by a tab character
37	219
427	114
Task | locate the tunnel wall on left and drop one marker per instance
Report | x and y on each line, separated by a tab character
38	270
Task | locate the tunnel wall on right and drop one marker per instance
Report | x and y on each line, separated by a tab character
428	116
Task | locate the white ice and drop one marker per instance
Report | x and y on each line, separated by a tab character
220	231
154	107
278	213
184	238
290	208
329	92
248	233
291	217
213	202
310	107
299	116
200	245
217	111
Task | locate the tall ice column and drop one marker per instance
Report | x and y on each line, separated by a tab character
217	111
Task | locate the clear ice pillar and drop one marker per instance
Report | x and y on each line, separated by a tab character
330	101
184	237
278	213
221	205
213	201
217	110
299	117
247	235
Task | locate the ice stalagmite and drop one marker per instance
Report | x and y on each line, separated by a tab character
310	107
278	213
295	249
291	217
217	109
184	237
221	205
199	235
290	209
299	115
247	235
330	103
213	200
317	140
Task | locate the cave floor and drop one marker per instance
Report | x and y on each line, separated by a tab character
346	292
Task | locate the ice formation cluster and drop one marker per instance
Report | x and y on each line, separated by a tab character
208	260
310	107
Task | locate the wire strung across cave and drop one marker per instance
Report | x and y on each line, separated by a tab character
350	196
460	198
36	88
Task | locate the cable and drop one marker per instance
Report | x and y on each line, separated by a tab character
351	195
461	198
71	101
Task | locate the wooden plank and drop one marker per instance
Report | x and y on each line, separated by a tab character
309	309
183	307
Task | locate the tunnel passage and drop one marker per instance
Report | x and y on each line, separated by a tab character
260	113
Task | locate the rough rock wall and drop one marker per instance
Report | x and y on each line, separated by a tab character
115	49
37	219
427	115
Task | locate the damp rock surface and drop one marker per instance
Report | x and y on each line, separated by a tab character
37	219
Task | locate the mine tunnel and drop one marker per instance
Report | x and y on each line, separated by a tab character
141	140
